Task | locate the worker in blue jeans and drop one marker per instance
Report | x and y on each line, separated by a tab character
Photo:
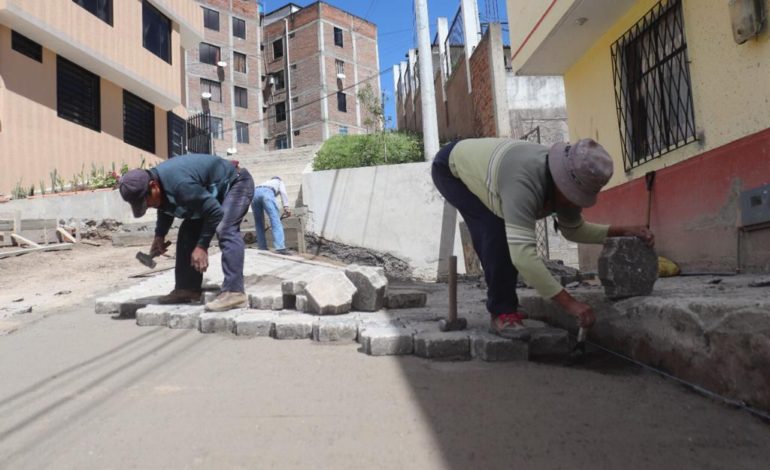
264	201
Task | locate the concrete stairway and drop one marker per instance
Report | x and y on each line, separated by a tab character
288	164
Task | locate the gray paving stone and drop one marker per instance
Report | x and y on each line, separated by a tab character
548	342
534	323
405	298
627	268
209	296
440	345
338	328
386	341
293	287
300	304
255	323
380	318
154	315
370	285
219	322
266	300
330	293
185	317
492	348
294	326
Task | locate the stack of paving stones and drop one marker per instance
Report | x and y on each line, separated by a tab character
293	298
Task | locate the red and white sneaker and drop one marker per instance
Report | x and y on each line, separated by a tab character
510	326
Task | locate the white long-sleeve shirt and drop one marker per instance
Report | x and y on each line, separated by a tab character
278	188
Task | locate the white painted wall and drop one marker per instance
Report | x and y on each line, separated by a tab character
95	205
390	208
535	92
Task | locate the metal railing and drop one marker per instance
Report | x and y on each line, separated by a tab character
454	46
199	133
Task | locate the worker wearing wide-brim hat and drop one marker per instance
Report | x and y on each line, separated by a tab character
501	187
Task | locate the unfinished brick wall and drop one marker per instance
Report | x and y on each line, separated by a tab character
483	99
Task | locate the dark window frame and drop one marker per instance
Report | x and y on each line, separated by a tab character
210	86
339	40
162	28
278	51
653	90
101	9
241	97
138	122
240	127
282	142
209	17
205	57
26	46
342	102
236	56
280	116
218	130
279	78
240	29
78	94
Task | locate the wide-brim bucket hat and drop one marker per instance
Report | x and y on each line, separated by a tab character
580	170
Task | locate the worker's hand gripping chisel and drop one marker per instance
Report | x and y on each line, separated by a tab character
579	350
147	259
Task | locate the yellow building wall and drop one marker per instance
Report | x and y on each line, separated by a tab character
34	141
730	85
523	15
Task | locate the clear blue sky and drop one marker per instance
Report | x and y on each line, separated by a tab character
395	27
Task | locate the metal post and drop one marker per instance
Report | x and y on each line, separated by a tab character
287	68
427	90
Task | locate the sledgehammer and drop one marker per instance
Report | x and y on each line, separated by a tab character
148	260
452	323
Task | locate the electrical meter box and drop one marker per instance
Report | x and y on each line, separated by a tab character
746	17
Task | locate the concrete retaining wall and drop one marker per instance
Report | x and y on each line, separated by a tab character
391	208
96	205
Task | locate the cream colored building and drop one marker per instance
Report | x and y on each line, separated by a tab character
87	82
675	87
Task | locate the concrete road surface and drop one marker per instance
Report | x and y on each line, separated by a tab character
83	391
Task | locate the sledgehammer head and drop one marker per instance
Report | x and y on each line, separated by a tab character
146	259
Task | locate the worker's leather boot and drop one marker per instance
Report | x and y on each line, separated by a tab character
180	296
228	301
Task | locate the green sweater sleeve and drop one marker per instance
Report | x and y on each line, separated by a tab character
576	229
523	249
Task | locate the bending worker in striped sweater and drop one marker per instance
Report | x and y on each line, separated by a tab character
501	187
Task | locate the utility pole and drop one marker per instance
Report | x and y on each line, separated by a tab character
427	89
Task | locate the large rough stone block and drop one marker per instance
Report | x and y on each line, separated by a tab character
370	285
440	345
405	298
386	341
492	348
548	343
185	318
219	322
154	315
330	293
340	328
627	268
294	326
255	323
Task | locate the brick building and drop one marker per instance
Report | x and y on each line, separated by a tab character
316	58
224	77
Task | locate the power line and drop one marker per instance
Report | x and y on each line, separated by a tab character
294	108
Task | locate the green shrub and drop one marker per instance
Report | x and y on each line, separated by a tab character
353	151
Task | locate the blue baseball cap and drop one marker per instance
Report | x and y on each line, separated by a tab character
134	186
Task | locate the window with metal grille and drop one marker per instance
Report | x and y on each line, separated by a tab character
210	19
277	49
282	142
242	132
652	85
239	28
208	53
26	46
338	38
344	131
342	102
156	31
239	62
217	128
279	80
78	94
280	112
102	9
215	88
241	97
138	122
